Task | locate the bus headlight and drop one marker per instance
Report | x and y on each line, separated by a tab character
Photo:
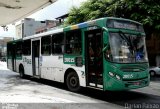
111	74
115	76
118	77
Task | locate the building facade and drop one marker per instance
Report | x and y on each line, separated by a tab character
30	27
3	46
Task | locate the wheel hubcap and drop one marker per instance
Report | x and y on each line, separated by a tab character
73	81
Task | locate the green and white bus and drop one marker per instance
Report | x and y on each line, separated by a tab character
106	54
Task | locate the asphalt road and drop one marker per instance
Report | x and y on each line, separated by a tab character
31	93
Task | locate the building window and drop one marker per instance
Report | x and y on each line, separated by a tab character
46	45
73	42
58	43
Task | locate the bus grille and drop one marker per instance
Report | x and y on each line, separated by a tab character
133	68
130	80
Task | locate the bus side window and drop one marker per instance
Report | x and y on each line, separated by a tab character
27	47
73	42
46	45
58	43
19	49
9	50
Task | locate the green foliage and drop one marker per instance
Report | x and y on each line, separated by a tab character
89	10
145	11
75	16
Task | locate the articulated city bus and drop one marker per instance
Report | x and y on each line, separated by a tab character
106	54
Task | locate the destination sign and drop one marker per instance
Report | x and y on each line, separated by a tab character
121	24
124	25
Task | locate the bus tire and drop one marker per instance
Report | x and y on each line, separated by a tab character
72	81
21	71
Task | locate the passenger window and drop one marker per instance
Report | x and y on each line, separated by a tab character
58	43
46	45
19	49
73	42
9	49
27	47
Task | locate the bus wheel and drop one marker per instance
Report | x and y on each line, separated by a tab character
21	72
72	82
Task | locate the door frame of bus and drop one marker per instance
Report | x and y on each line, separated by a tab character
86	33
14	57
35	57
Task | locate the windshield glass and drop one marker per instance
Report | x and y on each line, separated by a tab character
127	48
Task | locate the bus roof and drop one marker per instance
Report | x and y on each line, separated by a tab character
44	34
14	41
95	22
80	25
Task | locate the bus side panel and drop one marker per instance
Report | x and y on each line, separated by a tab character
18	62
82	76
46	68
80	72
52	68
27	64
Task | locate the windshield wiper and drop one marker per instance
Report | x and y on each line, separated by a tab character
128	40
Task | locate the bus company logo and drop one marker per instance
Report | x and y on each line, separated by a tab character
28	61
69	60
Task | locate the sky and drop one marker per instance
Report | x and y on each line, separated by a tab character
52	11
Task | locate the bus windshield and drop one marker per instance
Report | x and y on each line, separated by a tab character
127	48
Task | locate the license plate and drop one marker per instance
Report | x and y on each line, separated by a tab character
136	83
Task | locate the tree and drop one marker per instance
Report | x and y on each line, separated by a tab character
145	11
89	10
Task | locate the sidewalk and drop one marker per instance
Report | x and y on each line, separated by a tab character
3	65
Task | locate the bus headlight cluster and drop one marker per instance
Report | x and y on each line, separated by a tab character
118	77
111	74
114	75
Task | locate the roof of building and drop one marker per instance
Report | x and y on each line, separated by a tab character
15	10
62	17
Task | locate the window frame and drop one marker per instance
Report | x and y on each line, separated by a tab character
19	47
73	37
25	48
61	43
48	45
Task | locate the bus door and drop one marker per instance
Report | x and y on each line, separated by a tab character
35	57
94	58
13	57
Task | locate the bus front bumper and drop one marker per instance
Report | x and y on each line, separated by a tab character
113	84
